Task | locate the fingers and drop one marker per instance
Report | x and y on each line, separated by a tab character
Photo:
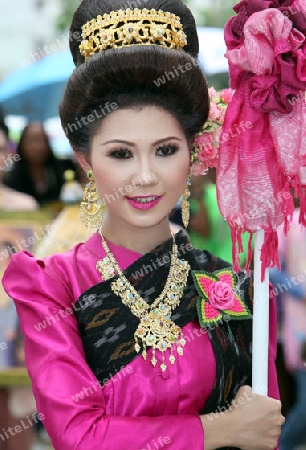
259	418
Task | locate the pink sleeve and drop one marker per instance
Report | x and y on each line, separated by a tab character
58	370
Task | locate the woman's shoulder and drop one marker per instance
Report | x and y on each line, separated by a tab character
58	272
28	269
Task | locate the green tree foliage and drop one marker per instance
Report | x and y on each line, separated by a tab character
214	13
65	17
216	17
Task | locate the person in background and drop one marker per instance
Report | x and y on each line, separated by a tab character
282	284
8	315
22	396
293	299
10	199
282	288
37	172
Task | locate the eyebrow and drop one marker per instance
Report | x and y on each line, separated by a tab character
120	141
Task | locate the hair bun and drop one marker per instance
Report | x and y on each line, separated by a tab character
133	76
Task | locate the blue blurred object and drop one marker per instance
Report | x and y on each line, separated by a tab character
35	91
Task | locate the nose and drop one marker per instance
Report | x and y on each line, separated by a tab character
145	173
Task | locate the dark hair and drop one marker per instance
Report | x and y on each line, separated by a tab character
21	179
20	146
133	76
4	127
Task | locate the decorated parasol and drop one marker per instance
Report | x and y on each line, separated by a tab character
261	146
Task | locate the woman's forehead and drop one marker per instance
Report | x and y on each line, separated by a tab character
139	121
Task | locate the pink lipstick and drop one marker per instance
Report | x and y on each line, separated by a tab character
144	202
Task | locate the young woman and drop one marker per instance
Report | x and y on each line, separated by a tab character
37	172
124	347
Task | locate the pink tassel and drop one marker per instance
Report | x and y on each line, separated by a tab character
286	225
269	254
239	240
287	205
302	195
295	186
234	249
237	247
249	254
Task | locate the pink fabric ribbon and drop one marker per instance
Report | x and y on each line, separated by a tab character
259	163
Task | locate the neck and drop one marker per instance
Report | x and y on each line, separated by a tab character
140	240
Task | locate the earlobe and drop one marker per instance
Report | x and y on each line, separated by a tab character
83	159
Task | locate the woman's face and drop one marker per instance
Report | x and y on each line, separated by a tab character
140	160
35	145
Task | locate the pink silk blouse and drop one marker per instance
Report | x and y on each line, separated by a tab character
138	408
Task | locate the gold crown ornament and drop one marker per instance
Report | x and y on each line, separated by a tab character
125	28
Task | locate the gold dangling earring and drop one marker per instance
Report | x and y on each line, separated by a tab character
185	204
91	208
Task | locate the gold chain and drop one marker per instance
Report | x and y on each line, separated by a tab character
156	329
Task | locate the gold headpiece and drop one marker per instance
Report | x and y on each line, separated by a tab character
132	27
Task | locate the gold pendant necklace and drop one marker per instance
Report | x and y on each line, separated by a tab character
156	329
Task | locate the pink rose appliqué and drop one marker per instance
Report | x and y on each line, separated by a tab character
221	295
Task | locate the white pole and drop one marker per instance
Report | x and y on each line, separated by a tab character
260	345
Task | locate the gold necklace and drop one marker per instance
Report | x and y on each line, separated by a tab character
156	329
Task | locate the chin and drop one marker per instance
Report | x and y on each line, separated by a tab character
146	222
